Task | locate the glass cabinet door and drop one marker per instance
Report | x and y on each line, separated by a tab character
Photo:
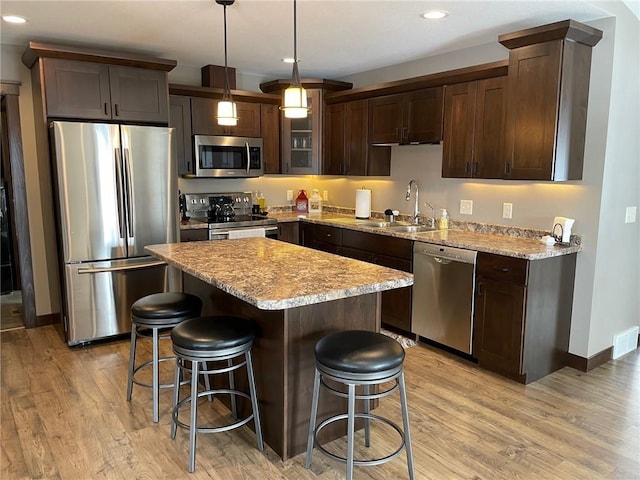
301	139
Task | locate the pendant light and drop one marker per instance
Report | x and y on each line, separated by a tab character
295	97
227	110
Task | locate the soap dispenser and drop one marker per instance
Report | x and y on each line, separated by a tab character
444	219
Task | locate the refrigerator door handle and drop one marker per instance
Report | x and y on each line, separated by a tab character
129	203
120	194
140	266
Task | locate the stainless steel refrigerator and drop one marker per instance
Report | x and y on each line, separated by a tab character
117	192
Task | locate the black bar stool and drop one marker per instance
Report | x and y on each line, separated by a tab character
359	358
149	316
213	339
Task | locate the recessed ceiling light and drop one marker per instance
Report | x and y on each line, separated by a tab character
434	14
14	19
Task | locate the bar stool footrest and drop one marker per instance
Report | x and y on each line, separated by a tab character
372	462
224	428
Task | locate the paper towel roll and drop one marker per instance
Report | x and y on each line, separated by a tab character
363	203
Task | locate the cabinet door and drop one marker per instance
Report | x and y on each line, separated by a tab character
77	89
422	116
499	326
355	138
180	119
335	139
488	137
139	95
270	128
385	119
532	111
289	232
203	119
459	115
302	139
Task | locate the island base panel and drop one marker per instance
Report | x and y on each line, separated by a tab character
284	360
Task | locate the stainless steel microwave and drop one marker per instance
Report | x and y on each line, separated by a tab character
229	157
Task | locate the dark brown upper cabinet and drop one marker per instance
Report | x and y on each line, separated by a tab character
270	128
347	149
203	119
549	69
473	136
413	117
98	91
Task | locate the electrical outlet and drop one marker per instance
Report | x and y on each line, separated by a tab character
325	195
466	207
289	195
630	215
507	210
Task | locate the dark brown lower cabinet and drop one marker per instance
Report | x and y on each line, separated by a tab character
289	232
523	315
194	234
379	249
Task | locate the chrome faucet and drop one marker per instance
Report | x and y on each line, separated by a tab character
416	212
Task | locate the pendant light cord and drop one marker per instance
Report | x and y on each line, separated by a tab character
227	92
296	75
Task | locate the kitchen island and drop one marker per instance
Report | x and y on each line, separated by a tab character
296	295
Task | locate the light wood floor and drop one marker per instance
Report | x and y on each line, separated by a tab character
64	415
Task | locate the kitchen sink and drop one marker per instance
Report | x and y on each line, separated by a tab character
361	222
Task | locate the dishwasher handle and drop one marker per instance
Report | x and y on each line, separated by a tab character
443	261
444	254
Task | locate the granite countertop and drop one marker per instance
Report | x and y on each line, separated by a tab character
507	241
275	275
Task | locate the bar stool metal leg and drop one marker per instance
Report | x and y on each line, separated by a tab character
367	420
132	359
176	397
193	426
254	400
312	419
156	376
350	429
405	422
232	386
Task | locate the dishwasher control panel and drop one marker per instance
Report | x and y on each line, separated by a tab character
448	253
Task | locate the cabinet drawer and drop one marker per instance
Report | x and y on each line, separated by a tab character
389	246
502	269
325	234
194	234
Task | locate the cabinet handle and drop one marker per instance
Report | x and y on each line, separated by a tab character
398	133
405	132
507	168
501	269
476	168
480	288
117	111
466	169
106	108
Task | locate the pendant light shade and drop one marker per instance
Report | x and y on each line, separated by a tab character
295	97
227	113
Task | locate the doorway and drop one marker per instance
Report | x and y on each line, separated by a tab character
17	299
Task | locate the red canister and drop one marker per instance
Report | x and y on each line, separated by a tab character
302	202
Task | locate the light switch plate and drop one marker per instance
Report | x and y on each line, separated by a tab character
289	195
507	210
630	215
325	195
466	207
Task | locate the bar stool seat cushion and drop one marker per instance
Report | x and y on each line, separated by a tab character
163	308
359	351
213	333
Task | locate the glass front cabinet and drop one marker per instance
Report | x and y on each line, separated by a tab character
302	139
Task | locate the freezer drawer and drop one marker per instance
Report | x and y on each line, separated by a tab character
98	295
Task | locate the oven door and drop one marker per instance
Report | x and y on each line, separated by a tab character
228	156
243	232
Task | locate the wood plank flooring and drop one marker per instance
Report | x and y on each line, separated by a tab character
64	416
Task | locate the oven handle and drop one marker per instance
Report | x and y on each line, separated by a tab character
273	228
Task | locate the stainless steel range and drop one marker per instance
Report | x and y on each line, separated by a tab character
229	215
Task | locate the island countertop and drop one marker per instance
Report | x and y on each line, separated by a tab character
274	275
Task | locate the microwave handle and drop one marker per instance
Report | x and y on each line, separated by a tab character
248	156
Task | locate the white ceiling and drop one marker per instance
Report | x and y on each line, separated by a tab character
335	38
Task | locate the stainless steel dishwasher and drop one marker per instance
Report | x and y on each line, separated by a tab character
443	293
